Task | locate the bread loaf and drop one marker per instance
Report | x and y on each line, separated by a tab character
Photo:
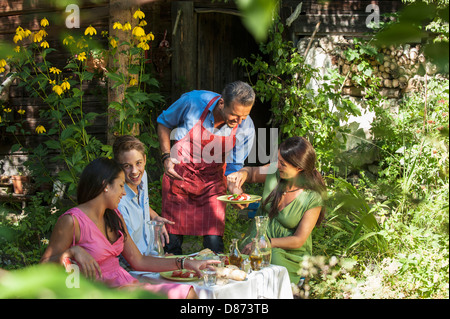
231	272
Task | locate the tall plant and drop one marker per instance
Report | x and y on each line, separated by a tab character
64	122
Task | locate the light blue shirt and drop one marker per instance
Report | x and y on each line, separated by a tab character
184	113
136	213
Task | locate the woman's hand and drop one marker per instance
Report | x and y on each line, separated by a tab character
89	266
198	265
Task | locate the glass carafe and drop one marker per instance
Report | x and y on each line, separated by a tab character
235	257
255	255
155	247
265	247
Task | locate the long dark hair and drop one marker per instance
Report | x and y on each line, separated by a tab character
94	178
298	152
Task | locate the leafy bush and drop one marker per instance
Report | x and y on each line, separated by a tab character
283	79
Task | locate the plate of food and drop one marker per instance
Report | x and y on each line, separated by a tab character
180	275
239	199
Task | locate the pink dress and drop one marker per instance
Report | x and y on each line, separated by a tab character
106	255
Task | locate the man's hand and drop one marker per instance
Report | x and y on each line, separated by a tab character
164	233
169	169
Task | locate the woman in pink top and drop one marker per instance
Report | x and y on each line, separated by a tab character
93	234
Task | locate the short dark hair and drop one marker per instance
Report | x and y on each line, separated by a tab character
240	92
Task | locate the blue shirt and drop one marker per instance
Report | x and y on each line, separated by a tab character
184	113
136	213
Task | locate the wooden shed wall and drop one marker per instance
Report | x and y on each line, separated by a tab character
346	18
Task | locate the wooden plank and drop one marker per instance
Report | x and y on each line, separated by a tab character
184	44
207	46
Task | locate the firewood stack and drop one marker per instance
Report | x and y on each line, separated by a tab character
396	74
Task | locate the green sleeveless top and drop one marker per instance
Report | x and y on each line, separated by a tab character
286	222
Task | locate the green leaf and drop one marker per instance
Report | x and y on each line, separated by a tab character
53	144
257	16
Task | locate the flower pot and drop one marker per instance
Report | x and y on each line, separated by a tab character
21	184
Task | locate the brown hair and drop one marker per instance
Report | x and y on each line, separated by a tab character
298	152
127	143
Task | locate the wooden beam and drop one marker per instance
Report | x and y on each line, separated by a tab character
184	44
120	11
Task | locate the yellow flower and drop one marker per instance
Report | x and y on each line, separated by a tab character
55	70
17	38
7	110
150	37
2	70
143	23
44	44
104	33
44	22
37	37
52	81
133	81
90	30
81	56
68	40
82	43
139	14
117	25
113	43
58	89
126	26
17	49
65	85
143	46
2	63
43	33
138	32
40	129
21	112
19	30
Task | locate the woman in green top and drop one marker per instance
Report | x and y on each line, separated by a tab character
293	199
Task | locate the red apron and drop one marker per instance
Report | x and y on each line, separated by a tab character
192	203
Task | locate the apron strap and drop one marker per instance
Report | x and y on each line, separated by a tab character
205	111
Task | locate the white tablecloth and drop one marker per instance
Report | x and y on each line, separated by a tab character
268	283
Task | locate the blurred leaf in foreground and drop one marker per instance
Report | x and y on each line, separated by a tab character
257	16
48	281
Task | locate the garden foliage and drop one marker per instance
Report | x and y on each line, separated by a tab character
385	233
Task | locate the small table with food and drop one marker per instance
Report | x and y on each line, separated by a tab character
270	282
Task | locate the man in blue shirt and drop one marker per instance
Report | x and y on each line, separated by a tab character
212	135
129	152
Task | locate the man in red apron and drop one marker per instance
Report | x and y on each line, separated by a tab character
213	135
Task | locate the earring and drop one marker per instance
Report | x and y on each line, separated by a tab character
106	189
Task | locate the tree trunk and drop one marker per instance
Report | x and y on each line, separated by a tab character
119	11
